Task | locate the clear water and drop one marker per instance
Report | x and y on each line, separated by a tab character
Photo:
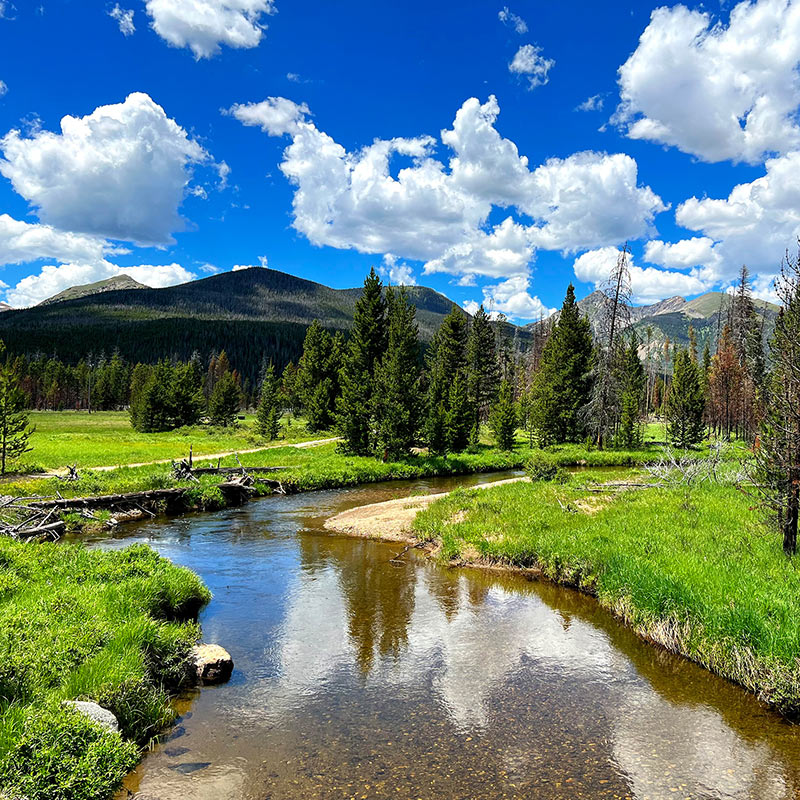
359	678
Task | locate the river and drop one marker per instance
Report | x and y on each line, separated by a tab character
360	678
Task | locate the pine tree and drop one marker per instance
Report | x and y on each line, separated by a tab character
503	417
685	404
318	378
14	428
396	406
449	418
562	386
363	352
632	398
778	453
268	414
152	407
725	384
482	368
187	401
290	390
225	402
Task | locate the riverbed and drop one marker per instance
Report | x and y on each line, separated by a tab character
361	677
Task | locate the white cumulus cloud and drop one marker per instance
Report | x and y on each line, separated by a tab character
124	18
120	172
3	88
530	63
438	213
593	103
512	298
398	274
713	90
53	279
204	25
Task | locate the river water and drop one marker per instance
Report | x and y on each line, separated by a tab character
360	678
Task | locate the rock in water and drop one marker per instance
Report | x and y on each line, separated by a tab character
213	664
102	716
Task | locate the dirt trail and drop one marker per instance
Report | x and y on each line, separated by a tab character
391	520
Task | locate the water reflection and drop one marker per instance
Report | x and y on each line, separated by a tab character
357	677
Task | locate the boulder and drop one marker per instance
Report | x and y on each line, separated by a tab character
102	716
212	663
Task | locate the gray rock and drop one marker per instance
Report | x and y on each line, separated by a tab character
212	663
102	716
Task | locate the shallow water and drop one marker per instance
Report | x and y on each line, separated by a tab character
359	678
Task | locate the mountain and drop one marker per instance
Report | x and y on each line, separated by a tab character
672	317
117	282
253	314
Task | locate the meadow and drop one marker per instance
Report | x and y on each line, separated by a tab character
106	438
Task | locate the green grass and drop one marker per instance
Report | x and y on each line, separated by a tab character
113	627
105	438
697	571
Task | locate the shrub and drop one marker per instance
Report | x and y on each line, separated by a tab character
540	467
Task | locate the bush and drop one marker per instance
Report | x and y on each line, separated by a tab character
62	755
540	467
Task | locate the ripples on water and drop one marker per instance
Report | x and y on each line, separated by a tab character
359	678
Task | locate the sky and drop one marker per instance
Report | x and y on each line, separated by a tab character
495	153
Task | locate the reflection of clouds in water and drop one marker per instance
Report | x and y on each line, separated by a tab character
216	782
663	748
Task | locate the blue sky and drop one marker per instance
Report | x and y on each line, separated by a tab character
175	163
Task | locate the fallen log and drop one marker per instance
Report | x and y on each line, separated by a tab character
51	531
233	470
108	500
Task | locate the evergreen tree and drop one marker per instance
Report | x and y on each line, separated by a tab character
449	418
562	386
187	400
14	428
632	396
482	368
685	404
225	402
778	453
503	417
290	390
318	376
396	403
268	414
152	408
364	350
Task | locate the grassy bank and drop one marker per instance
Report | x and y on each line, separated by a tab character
696	571
112	627
106	438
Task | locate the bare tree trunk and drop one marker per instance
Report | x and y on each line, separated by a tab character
790	518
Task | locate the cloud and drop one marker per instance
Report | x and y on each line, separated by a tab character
529	62
508	17
716	91
512	298
124	18
648	284
21	242
438	213
3	88
204	25
121	172
53	279
593	103
397	273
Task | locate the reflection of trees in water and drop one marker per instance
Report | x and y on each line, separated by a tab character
378	595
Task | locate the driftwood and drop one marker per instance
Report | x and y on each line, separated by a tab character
233	470
109	500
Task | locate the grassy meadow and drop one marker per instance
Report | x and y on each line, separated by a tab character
106	438
112	627
697	570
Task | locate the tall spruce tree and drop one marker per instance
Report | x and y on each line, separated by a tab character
396	403
562	386
685	403
14	428
152	408
363	352
503	417
188	402
778	453
318	376
449	416
483	370
226	400
632	397
268	413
